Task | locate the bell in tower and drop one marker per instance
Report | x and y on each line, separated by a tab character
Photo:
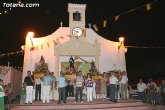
76	16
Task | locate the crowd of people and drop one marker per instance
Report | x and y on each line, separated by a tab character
151	92
8	92
110	86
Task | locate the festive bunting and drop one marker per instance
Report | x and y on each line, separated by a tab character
42	46
55	43
117	17
11	53
104	23
148	7
84	32
32	48
95	27
48	44
61	37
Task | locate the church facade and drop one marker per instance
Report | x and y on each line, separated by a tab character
82	43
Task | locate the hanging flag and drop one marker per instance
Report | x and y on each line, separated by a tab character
55	43
148	7
48	44
32	48
42	46
95	27
104	23
61	37
84	32
117	17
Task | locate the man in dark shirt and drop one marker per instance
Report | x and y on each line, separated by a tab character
28	83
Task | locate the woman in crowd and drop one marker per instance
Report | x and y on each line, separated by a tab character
162	87
97	88
103	88
108	90
158	95
89	85
152	93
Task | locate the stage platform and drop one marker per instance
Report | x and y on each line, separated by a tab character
97	104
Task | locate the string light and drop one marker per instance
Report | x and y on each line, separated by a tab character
11	53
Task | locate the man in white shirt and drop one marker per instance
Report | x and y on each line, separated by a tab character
52	97
79	86
141	87
112	86
124	85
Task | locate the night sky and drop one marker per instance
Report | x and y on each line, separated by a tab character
140	28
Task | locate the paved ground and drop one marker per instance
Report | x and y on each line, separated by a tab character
15	104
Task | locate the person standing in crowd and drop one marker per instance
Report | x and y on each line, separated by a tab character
61	83
103	86
94	89
10	92
28	83
37	89
152	92
47	81
141	87
158	94
70	88
112	86
162	87
52	86
89	85
79	86
147	91
2	94
108	90
97	88
23	94
124	85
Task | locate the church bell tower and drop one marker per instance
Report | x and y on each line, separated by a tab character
77	20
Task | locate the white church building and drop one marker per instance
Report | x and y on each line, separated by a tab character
77	41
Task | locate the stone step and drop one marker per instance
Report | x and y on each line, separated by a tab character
122	105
